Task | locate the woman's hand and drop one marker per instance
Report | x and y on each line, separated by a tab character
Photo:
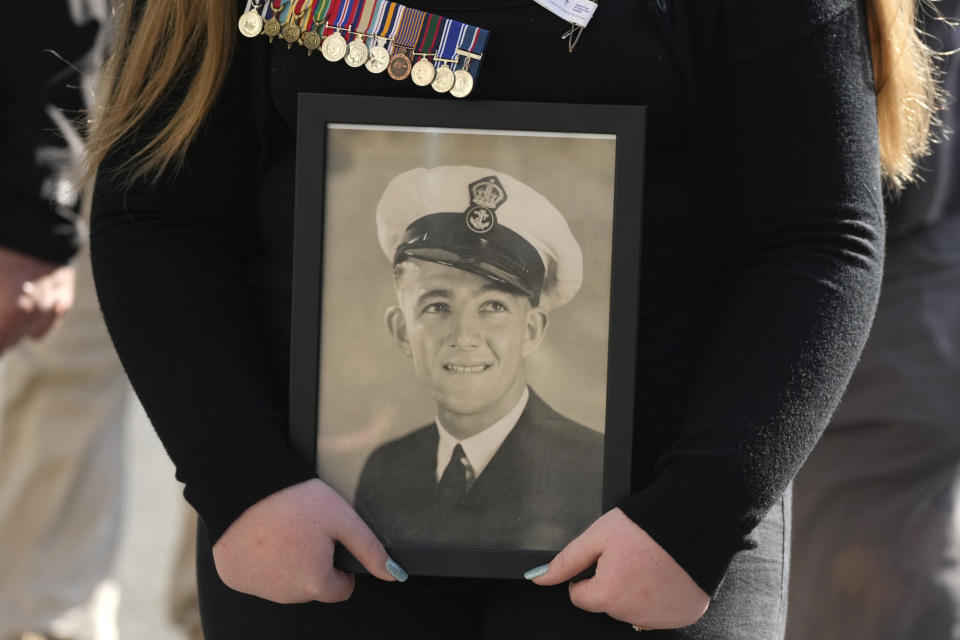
281	548
636	580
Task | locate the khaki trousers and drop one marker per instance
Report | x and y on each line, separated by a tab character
62	404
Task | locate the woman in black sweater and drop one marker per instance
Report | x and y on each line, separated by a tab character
761	262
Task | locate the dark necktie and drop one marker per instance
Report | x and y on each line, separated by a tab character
453	482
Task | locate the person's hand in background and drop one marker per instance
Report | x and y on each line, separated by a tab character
34	294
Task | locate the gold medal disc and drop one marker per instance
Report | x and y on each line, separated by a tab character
311	40
271	28
290	32
462	85
251	24
399	66
357	53
444	80
379	59
334	47
423	72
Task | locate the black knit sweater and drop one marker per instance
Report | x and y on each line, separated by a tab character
761	257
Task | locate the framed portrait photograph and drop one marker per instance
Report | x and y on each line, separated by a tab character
464	321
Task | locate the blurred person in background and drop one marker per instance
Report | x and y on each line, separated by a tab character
877	505
63	394
63	397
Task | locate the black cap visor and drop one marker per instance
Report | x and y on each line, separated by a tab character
500	254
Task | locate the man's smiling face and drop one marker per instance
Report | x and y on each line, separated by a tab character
468	337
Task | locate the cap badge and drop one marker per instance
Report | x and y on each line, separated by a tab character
486	194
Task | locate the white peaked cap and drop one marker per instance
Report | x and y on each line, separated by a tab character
480	244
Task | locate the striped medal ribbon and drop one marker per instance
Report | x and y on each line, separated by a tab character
334	45
473	40
312	37
423	72
357	50
446	57
272	26
390	23
291	29
403	43
380	35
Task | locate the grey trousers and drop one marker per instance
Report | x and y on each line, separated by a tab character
877	506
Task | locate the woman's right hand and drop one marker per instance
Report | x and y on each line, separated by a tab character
281	548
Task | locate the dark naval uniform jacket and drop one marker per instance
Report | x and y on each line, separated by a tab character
540	490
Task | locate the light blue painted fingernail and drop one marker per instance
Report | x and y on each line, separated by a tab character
536	572
396	570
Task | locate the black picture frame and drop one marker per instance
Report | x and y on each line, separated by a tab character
317	112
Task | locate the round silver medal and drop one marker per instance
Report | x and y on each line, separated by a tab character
251	24
463	84
379	59
444	80
423	73
357	53
334	47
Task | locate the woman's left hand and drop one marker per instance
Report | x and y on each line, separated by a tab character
636	580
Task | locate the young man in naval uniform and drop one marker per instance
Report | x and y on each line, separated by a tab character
479	260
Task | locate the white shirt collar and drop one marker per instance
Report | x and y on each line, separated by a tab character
481	447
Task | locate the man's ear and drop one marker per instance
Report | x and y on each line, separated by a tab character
397	326
535	329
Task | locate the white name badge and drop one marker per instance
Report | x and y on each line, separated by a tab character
577	12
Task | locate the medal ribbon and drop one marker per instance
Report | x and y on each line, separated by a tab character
333	15
388	19
307	19
263	12
319	13
379	15
366	15
346	16
432	27
393	21
353	15
295	10
409	30
447	52
474	40
276	8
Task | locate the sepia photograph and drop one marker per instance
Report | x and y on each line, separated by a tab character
463	335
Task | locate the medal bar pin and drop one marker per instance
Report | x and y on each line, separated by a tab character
469	54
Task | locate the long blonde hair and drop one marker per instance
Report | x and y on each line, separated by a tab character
153	50
198	42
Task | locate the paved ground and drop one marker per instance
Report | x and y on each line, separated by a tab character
152	516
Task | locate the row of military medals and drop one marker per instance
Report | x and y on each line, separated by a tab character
446	48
